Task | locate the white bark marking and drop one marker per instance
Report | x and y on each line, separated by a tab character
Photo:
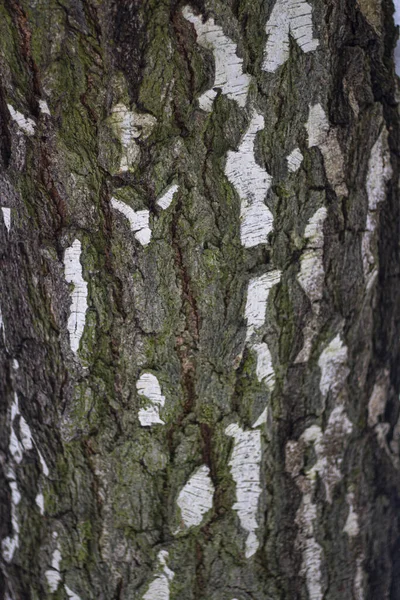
351	526
73	274
6	217
138	220
229	75
130	126
53	575
148	386
292	17
294	160
262	418
11	543
43	464
312	275
39	501
245	469
327	466
325	445
257	297
165	201
196	497
333	365
311	550
3	329
27	125
252	183
44	107
359	580
320	134
71	594
379	173
264	370
159	587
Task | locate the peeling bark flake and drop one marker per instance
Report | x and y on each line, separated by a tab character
292	17
229	75
73	274
245	469
196	497
148	386
138	220
159	588
252	183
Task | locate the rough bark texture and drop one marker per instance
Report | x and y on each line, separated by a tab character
199	384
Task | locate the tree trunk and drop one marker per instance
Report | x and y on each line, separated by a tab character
199	300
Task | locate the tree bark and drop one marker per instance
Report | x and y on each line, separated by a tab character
199	300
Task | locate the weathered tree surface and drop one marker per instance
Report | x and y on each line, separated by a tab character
200	313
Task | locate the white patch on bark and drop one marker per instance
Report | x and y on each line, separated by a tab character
73	274
351	526
11	543
43	464
130	127
321	135
264	370
39	500
252	183
262	418
138	220
334	369
245	469
6	217
3	329
312	276
359	580
294	160
159	587
327	466
256	306
148	386
44	107
53	575
229	75
165	201
288	17
27	125
196	497
71	595
379	173
311	550
257	297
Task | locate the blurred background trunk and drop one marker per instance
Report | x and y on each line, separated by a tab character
199	300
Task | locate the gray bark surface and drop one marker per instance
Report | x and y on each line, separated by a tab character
112	526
